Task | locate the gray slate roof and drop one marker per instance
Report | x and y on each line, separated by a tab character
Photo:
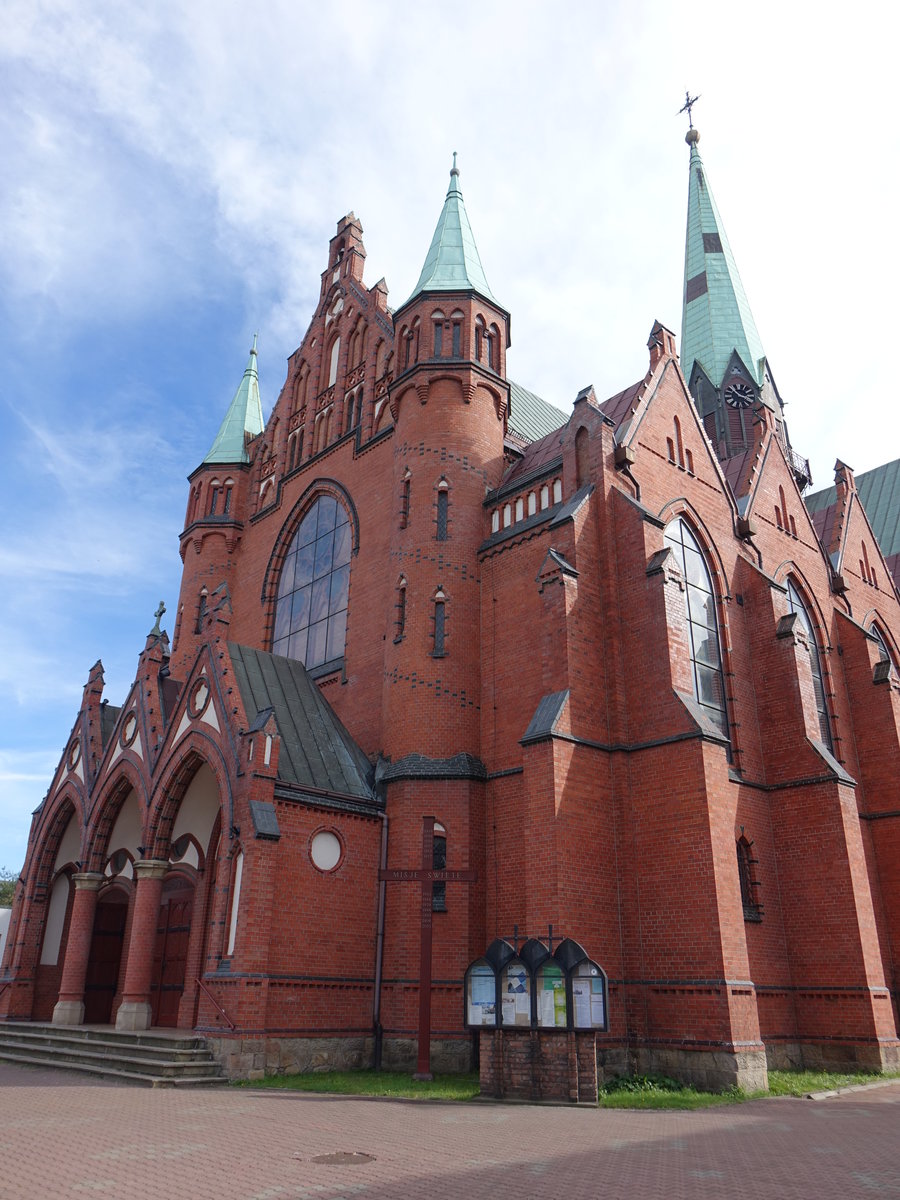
316	750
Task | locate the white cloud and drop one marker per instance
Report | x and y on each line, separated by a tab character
190	159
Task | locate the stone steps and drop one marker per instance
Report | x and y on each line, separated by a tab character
152	1057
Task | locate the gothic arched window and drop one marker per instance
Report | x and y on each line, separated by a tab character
796	604
311	608
703	627
883	652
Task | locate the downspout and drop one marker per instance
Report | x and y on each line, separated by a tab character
379	945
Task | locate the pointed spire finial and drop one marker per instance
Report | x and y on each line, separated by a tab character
244	417
156	631
453	263
692	137
253	347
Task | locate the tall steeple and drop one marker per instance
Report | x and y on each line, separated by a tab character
244	417
717	322
453	263
722	353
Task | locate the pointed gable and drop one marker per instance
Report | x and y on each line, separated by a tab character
847	534
879	493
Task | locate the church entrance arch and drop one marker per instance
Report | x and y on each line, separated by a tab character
170	952
104	963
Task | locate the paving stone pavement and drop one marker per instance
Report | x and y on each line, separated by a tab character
65	1138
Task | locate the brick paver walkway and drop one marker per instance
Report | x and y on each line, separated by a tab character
62	1137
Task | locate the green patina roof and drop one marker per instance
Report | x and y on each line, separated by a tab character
452	263
530	416
879	491
716	319
244	416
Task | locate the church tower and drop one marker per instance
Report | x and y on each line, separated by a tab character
722	354
217	501
449	400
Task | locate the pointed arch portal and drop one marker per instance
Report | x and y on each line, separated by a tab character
170	951
105	958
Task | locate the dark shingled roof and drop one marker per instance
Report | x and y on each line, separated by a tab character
536	458
619	407
316	749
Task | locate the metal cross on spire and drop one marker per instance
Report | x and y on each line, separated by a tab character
689	102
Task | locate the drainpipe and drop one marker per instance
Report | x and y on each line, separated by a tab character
379	945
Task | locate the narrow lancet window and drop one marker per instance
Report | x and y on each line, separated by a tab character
703	627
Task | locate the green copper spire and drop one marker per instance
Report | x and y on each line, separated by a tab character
716	320
244	416
452	263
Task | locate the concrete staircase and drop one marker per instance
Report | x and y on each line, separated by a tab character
155	1058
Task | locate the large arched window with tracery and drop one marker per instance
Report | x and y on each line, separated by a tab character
702	625
796	604
311	607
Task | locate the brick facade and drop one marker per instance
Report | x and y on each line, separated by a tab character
490	572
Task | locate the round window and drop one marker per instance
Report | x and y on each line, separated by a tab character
199	698
129	729
325	850
74	755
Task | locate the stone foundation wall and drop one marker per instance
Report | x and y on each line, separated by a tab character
254	1058
449	1056
833	1056
706	1070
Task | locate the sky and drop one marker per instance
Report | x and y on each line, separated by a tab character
173	173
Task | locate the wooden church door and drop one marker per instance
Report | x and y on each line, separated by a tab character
105	959
173	932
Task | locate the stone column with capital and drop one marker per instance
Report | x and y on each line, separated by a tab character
135	1010
69	1009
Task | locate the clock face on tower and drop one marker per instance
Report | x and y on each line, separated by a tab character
739	395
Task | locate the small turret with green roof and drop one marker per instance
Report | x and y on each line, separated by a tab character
244	419
453	263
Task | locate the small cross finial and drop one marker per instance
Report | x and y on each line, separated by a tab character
689	102
156	631
454	169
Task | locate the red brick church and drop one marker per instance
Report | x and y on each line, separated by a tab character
638	707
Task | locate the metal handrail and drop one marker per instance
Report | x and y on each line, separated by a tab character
228	1021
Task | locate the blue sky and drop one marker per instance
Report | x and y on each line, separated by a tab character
173	173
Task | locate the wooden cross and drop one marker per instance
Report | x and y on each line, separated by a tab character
426	875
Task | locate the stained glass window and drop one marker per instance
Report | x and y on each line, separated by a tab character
703	631
311	608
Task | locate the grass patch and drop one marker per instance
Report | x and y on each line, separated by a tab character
374	1083
659	1091
801	1083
